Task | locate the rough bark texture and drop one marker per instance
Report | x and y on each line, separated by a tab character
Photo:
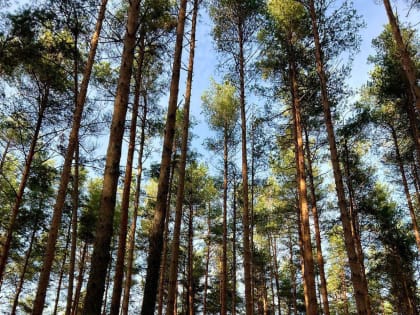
315	215
122	238
406	61
309	273
173	271
25	176
104	229
61	195
156	232
360	290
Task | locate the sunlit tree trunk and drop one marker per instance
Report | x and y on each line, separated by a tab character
61	195
245	213
157	228
25	176
360	289
104	229
315	215
406	61
122	239
309	273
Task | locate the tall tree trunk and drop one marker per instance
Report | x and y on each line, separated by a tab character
360	290
405	59
223	282
104	229
107	284
206	275
156	231
245	214
190	262
25	175
173	271
132	235
122	239
406	189
276	275
61	195
315	215
63	265
75	207
309	273
80	276
25	267
293	276
234	245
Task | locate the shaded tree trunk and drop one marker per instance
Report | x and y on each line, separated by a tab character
315	215
190	262
206	275
104	229
157	229
25	176
80	276
360	289
61	195
406	189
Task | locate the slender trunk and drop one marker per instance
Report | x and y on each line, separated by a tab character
61	195
301	251
125	202
156	231
315	215
25	175
4	155
75	307
75	195
246	217
181	181
163	265
63	264
25	267
412	118
75	207
293	276
190	262
276	275
206	275
344	292
107	284
360	289
406	189
104	229
132	236
309	273
234	247
406	61
223	282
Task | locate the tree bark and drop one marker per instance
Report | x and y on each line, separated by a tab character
122	239
156	232
25	176
309	273
75	207
315	215
245	214
61	195
234	245
80	276
206	275
104	229
406	61
190	262
360	290
406	189
173	272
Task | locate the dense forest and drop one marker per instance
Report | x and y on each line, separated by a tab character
290	192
